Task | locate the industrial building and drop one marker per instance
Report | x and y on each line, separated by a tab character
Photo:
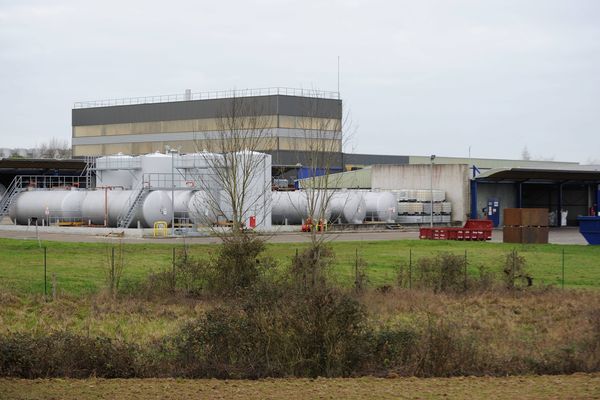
125	179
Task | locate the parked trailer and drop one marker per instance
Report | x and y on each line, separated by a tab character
474	229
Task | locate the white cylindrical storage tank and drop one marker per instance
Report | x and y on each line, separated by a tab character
181	203
71	205
113	204
199	169
347	207
158	170
381	206
204	207
99	204
39	204
293	207
117	170
155	207
289	207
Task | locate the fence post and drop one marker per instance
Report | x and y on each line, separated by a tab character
563	268
45	273
410	268
465	270
112	270
173	269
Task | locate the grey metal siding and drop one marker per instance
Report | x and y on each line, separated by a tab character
215	108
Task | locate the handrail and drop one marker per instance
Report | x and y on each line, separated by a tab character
217	94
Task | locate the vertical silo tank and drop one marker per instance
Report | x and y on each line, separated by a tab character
381	206
40	204
118	170
253	176
158	170
199	169
347	207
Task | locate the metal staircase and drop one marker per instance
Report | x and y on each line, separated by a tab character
134	202
13	190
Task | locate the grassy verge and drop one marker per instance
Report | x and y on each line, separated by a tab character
577	386
80	268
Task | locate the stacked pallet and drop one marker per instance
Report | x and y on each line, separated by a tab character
525	225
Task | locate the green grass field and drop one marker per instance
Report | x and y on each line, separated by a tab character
80	268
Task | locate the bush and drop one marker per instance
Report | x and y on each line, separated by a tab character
63	354
284	332
443	273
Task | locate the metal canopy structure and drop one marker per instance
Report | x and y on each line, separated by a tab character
559	179
583	175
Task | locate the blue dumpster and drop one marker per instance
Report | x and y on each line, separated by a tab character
590	229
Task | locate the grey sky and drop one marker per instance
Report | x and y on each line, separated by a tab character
417	77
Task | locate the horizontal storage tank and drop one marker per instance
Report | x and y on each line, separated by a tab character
156	206
47	205
181	203
381	206
117	170
204	207
293	207
347	207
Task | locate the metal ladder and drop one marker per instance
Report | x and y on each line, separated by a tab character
135	201
90	167
13	190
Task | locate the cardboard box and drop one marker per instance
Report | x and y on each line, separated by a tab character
526	217
534	234
512	234
534	217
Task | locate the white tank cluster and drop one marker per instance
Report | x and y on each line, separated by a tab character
96	207
120	179
351	206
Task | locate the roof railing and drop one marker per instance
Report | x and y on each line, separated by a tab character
218	94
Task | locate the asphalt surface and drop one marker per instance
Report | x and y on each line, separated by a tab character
557	236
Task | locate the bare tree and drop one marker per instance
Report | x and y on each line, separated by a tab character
54	148
525	154
319	152
236	177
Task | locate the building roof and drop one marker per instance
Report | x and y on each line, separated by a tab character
580	173
41	163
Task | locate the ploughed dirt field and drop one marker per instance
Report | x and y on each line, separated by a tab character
577	386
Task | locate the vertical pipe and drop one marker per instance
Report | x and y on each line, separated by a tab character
597	200
473	199
173	192
560	202
520	195
431	188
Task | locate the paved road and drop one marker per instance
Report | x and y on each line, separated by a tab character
557	236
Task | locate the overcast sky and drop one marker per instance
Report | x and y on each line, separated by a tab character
417	77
